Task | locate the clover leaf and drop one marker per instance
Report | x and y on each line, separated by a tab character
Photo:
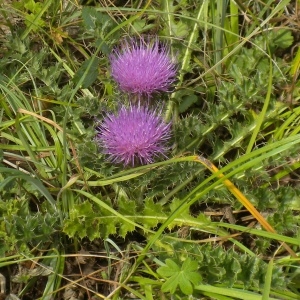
185	276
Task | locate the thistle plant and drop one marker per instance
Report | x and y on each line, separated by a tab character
143	66
133	135
183	228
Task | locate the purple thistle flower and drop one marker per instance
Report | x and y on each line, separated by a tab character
134	135
143	66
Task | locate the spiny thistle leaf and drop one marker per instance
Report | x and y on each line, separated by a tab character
184	216
217	264
126	208
152	209
82	219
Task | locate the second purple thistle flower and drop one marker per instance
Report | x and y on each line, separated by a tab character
133	135
143	66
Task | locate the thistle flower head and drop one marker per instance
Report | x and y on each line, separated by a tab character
134	135
143	66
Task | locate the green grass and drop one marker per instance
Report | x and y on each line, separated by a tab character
74	225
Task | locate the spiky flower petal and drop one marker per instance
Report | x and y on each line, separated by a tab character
143	66
134	135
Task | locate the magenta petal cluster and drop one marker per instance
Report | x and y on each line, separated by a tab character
134	135
143	66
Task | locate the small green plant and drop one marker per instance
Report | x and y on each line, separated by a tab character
184	276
